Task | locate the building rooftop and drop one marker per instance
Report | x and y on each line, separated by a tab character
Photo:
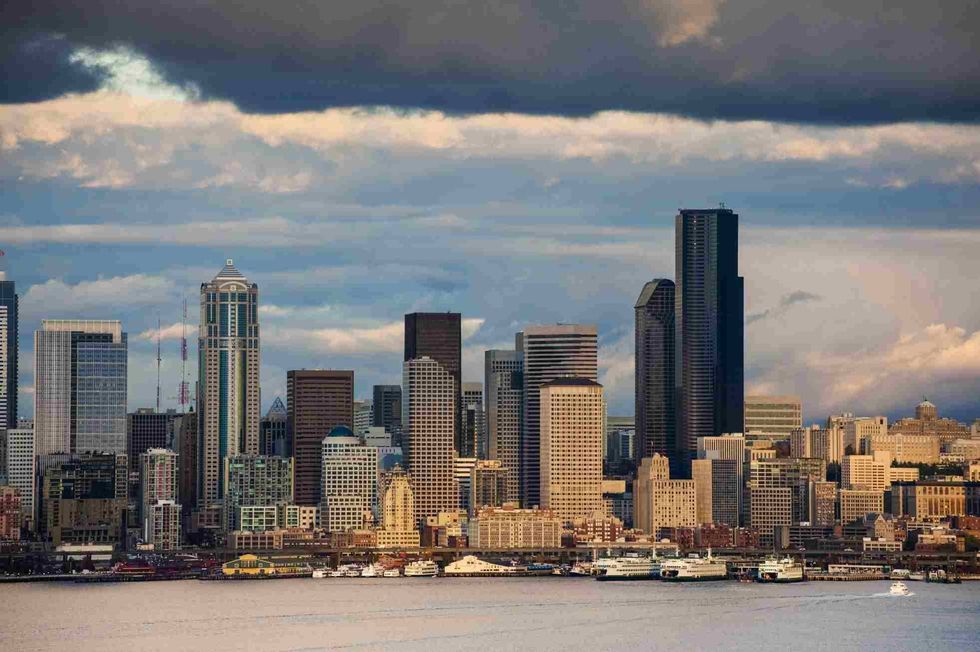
571	382
229	271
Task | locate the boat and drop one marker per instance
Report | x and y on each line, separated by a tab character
338	572
694	569
352	570
471	566
320	573
899	588
900	574
631	567
780	570
392	572
371	571
582	569
422	568
942	577
917	577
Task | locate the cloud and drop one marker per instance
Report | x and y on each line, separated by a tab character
56	299
770	59
170	332
785	303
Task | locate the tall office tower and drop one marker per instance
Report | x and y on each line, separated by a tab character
145	429
228	388
504	371
488	485
362	417
350	480
84	499
823	503
21	473
8	353
772	418
80	387
550	352
439	336
727	447
185	443
255	481
717	488
573	425
474	439
709	328
317	401
463	476
386	410
158	483
428	423
273	431
656	421
658	501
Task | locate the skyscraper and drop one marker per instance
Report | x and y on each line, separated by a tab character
428	421
550	352
438	335
656	422
474	439
8	353
317	400
273	431
256	481
386	410
709	328
80	387
159	511
145	429
228	383
573	424
504	371
350	480
21	473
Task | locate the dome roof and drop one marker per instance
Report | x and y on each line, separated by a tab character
926	404
341	431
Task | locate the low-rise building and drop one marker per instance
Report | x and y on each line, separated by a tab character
857	503
9	513
928	499
511	527
869	544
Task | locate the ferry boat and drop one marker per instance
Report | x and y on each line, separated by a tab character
900	574
694	569
780	570
917	577
470	566
422	568
631	567
392	572
899	588
371	571
320	573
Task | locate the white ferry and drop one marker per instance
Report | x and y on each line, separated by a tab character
899	588
392	572
470	566
582	568
320	573
372	571
694	569
422	568
780	570
631	567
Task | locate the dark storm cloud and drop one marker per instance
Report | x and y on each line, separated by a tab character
830	61
38	66
785	303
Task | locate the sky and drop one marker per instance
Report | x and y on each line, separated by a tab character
518	162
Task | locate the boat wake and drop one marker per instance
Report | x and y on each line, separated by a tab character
892	595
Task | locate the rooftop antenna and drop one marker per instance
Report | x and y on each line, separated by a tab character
159	334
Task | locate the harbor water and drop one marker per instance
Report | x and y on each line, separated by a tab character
482	613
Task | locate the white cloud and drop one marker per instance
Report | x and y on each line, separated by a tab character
56	299
170	332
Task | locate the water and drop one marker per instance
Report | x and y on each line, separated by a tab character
499	614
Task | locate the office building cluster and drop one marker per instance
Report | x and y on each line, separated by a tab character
527	457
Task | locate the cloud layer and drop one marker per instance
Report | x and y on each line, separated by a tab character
825	61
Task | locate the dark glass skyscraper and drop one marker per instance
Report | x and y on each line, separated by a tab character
709	318
438	335
656	430
386	410
8	353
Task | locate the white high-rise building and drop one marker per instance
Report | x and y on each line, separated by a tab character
550	352
21	472
350	480
228	383
158	483
573	424
80	384
859	430
162	527
428	423
504	371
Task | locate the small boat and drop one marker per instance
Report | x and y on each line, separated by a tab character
899	588
422	568
900	574
780	570
917	577
581	569
392	572
320	573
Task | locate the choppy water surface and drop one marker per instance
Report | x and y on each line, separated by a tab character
528	613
